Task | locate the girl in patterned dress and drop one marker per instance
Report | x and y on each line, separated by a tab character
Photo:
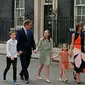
64	62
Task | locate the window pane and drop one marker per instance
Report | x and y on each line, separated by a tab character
82	1
20	16
79	19
17	3
48	1
21	5
77	2
83	19
83	10
78	10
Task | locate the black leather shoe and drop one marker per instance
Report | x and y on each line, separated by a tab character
26	82
21	77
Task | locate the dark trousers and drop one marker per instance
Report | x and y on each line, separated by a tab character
14	63
25	61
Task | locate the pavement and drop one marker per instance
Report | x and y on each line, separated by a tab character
33	68
34	56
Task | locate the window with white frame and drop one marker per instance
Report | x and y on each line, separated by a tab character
79	11
20	11
48	1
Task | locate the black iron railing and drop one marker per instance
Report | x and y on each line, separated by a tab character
5	26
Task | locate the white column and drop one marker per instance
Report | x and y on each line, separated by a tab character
39	18
36	21
55	4
15	17
42	18
55	8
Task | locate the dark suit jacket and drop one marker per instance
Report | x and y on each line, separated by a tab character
25	44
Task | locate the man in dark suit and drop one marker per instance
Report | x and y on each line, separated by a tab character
24	47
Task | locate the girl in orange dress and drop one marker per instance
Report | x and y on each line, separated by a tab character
64	62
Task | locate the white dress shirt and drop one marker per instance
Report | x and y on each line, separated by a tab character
12	48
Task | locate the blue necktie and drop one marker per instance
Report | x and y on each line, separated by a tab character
27	33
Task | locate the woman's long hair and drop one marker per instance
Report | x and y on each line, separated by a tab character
79	25
48	35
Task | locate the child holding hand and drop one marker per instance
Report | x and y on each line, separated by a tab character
11	57
64	62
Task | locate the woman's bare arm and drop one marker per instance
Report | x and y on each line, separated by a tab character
72	43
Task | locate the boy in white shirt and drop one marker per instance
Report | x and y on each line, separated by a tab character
11	56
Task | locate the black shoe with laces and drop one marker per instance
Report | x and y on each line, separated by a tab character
21	77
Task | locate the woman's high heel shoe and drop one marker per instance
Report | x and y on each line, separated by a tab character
74	75
78	82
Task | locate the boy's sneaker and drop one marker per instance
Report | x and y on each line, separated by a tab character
15	82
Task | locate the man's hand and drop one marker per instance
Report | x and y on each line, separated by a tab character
35	51
12	58
20	52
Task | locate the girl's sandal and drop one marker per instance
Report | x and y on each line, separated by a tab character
39	78
66	80
48	81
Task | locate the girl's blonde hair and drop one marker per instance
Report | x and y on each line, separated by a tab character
65	46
